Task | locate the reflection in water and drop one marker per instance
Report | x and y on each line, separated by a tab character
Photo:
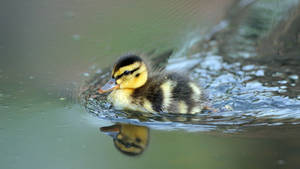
129	139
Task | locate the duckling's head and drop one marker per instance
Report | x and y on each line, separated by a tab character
129	72
129	139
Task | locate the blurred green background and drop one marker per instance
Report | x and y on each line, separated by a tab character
48	48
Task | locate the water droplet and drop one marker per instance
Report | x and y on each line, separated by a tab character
212	63
281	162
277	74
248	67
93	67
59	139
283	87
76	37
260	73
282	82
31	77
99	71
281	90
62	99
228	107
70	14
244	54
86	74
294	77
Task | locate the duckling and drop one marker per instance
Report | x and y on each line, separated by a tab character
129	139
134	86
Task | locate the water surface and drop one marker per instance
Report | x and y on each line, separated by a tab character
49	48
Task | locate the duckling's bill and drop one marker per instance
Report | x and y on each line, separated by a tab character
112	131
113	128
109	86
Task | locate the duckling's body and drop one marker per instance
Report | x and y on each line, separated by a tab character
154	92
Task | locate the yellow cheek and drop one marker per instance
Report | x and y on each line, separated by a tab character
126	82
136	80
131	81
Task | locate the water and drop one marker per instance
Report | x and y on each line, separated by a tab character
55	46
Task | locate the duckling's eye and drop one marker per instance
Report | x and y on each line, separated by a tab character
126	72
138	140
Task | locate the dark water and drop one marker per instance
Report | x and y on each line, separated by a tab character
50	48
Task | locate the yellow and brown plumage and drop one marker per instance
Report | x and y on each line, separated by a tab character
129	139
135	87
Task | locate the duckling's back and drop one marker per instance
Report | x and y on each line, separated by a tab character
170	93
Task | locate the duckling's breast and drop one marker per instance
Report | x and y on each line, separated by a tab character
123	99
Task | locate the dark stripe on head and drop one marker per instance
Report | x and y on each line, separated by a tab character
127	73
128	145
127	60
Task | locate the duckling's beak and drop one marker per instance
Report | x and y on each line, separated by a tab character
110	85
112	131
